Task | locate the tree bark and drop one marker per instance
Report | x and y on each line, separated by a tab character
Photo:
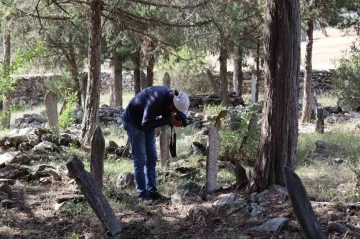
150	70
257	70
238	72
137	74
306	111
116	81
6	68
279	130
223	74
91	114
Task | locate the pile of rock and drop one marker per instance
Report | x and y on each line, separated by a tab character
198	102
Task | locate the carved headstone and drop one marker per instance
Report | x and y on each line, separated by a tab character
212	160
97	155
93	195
51	110
302	206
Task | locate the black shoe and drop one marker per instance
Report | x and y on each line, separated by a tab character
155	196
145	200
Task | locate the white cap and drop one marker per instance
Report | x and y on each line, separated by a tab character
182	103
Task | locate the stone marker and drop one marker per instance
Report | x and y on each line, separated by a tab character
271	225
51	110
165	133
97	155
302	206
93	195
319	123
253	88
212	153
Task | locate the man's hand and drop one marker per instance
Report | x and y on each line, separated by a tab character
175	122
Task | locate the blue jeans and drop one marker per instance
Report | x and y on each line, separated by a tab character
143	149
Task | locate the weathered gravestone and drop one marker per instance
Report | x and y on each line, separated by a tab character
51	110
319	122
302	206
165	134
93	195
97	155
212	153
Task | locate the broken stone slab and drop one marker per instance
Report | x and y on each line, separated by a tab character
5	158
93	195
228	199
302	206
339	227
271	225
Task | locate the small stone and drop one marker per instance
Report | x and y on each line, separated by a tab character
8	203
338	160
4	188
228	199
339	227
271	225
198	211
125	180
321	144
183	196
64	140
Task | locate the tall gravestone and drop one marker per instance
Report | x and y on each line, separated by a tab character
165	134
97	155
93	195
51	110
212	153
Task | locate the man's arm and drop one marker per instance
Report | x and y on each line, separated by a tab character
149	120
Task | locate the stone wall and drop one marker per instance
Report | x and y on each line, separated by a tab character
321	81
30	90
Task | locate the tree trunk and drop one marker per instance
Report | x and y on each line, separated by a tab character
279	130
306	111
257	70
5	124
238	73
137	75
91	114
223	74
116	81
213	83
84	80
150	70
75	77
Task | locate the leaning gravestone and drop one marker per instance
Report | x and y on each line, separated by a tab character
97	155
51	110
165	134
212	153
302	206
93	195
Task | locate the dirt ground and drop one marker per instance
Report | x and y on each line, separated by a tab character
35	216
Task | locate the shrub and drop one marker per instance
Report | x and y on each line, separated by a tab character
67	117
347	78
240	139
